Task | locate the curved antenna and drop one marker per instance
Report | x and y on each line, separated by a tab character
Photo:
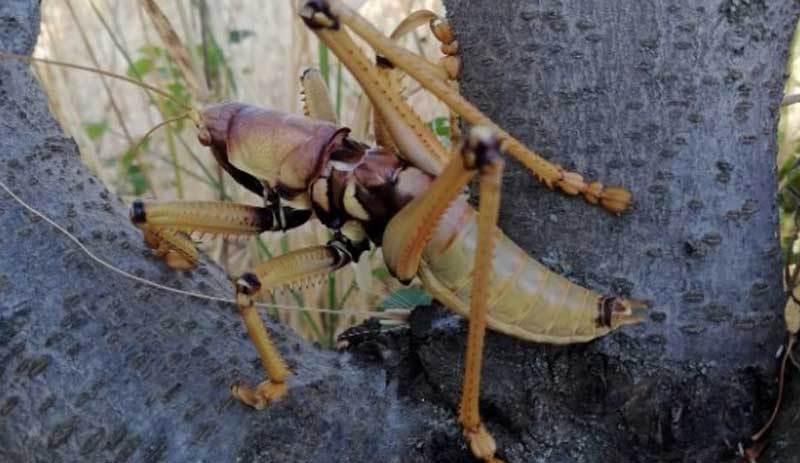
138	83
144	138
398	314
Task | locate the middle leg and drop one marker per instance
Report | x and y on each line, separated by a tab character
290	269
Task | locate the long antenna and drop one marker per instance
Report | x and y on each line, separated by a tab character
136	82
393	314
144	138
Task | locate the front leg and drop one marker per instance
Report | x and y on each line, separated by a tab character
166	225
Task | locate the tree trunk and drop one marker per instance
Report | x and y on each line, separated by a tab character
96	367
675	102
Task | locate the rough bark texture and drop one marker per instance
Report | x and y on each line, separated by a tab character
673	99
95	367
677	101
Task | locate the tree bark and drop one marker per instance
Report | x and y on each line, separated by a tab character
675	101
96	367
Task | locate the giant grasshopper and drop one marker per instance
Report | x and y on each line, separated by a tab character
403	195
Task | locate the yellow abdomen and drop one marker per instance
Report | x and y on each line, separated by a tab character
527	300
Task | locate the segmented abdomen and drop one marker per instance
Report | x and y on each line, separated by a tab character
527	300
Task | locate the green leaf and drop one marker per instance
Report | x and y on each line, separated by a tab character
406	298
173	109
238	35
140	68
179	91
151	51
441	126
133	170
381	273
284	242
215	58
95	130
137	180
127	159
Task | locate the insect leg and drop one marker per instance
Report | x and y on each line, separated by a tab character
316	96
174	247
613	199
390	78
451	63
485	149
420	18
408	232
447	69
415	142
166	225
274	388
296	267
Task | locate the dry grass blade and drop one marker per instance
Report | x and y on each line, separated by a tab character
792	319
138	83
176	49
791	314
790	100
758	436
90	51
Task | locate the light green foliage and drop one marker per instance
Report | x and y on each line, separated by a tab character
406	298
95	130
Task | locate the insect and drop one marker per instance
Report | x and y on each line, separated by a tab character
403	195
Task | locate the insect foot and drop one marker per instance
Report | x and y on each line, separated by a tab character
172	246
481	443
247	287
317	15
614	199
264	394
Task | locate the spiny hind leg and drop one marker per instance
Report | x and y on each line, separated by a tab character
447	69
331	14
408	232
416	143
485	149
293	268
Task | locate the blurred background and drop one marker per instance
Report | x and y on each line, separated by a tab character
255	51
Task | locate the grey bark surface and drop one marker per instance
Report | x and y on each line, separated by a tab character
672	100
675	100
96	367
